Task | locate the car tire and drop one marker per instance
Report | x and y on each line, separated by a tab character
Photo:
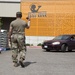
47	50
64	48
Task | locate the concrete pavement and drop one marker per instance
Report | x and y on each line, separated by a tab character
39	62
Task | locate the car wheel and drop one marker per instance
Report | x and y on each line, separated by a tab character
64	48
47	50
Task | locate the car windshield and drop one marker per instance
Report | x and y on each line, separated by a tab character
61	37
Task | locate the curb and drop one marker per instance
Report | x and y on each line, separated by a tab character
33	46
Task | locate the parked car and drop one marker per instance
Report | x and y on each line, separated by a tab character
60	43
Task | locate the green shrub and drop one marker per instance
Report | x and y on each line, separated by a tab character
1	23
27	44
39	44
31	45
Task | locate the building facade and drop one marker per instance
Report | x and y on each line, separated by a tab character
49	18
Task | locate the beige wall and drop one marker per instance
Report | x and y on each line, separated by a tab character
9	9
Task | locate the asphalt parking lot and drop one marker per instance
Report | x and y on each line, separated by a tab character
39	62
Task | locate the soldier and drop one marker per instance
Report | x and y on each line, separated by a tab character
17	37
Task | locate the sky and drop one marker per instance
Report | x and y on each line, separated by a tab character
11	0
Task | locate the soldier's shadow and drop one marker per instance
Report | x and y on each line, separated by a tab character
28	63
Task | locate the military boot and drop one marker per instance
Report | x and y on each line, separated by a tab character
16	64
21	63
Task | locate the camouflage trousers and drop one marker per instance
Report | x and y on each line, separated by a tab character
18	47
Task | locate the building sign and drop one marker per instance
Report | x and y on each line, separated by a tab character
34	8
35	11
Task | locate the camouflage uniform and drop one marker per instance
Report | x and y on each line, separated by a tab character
18	39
